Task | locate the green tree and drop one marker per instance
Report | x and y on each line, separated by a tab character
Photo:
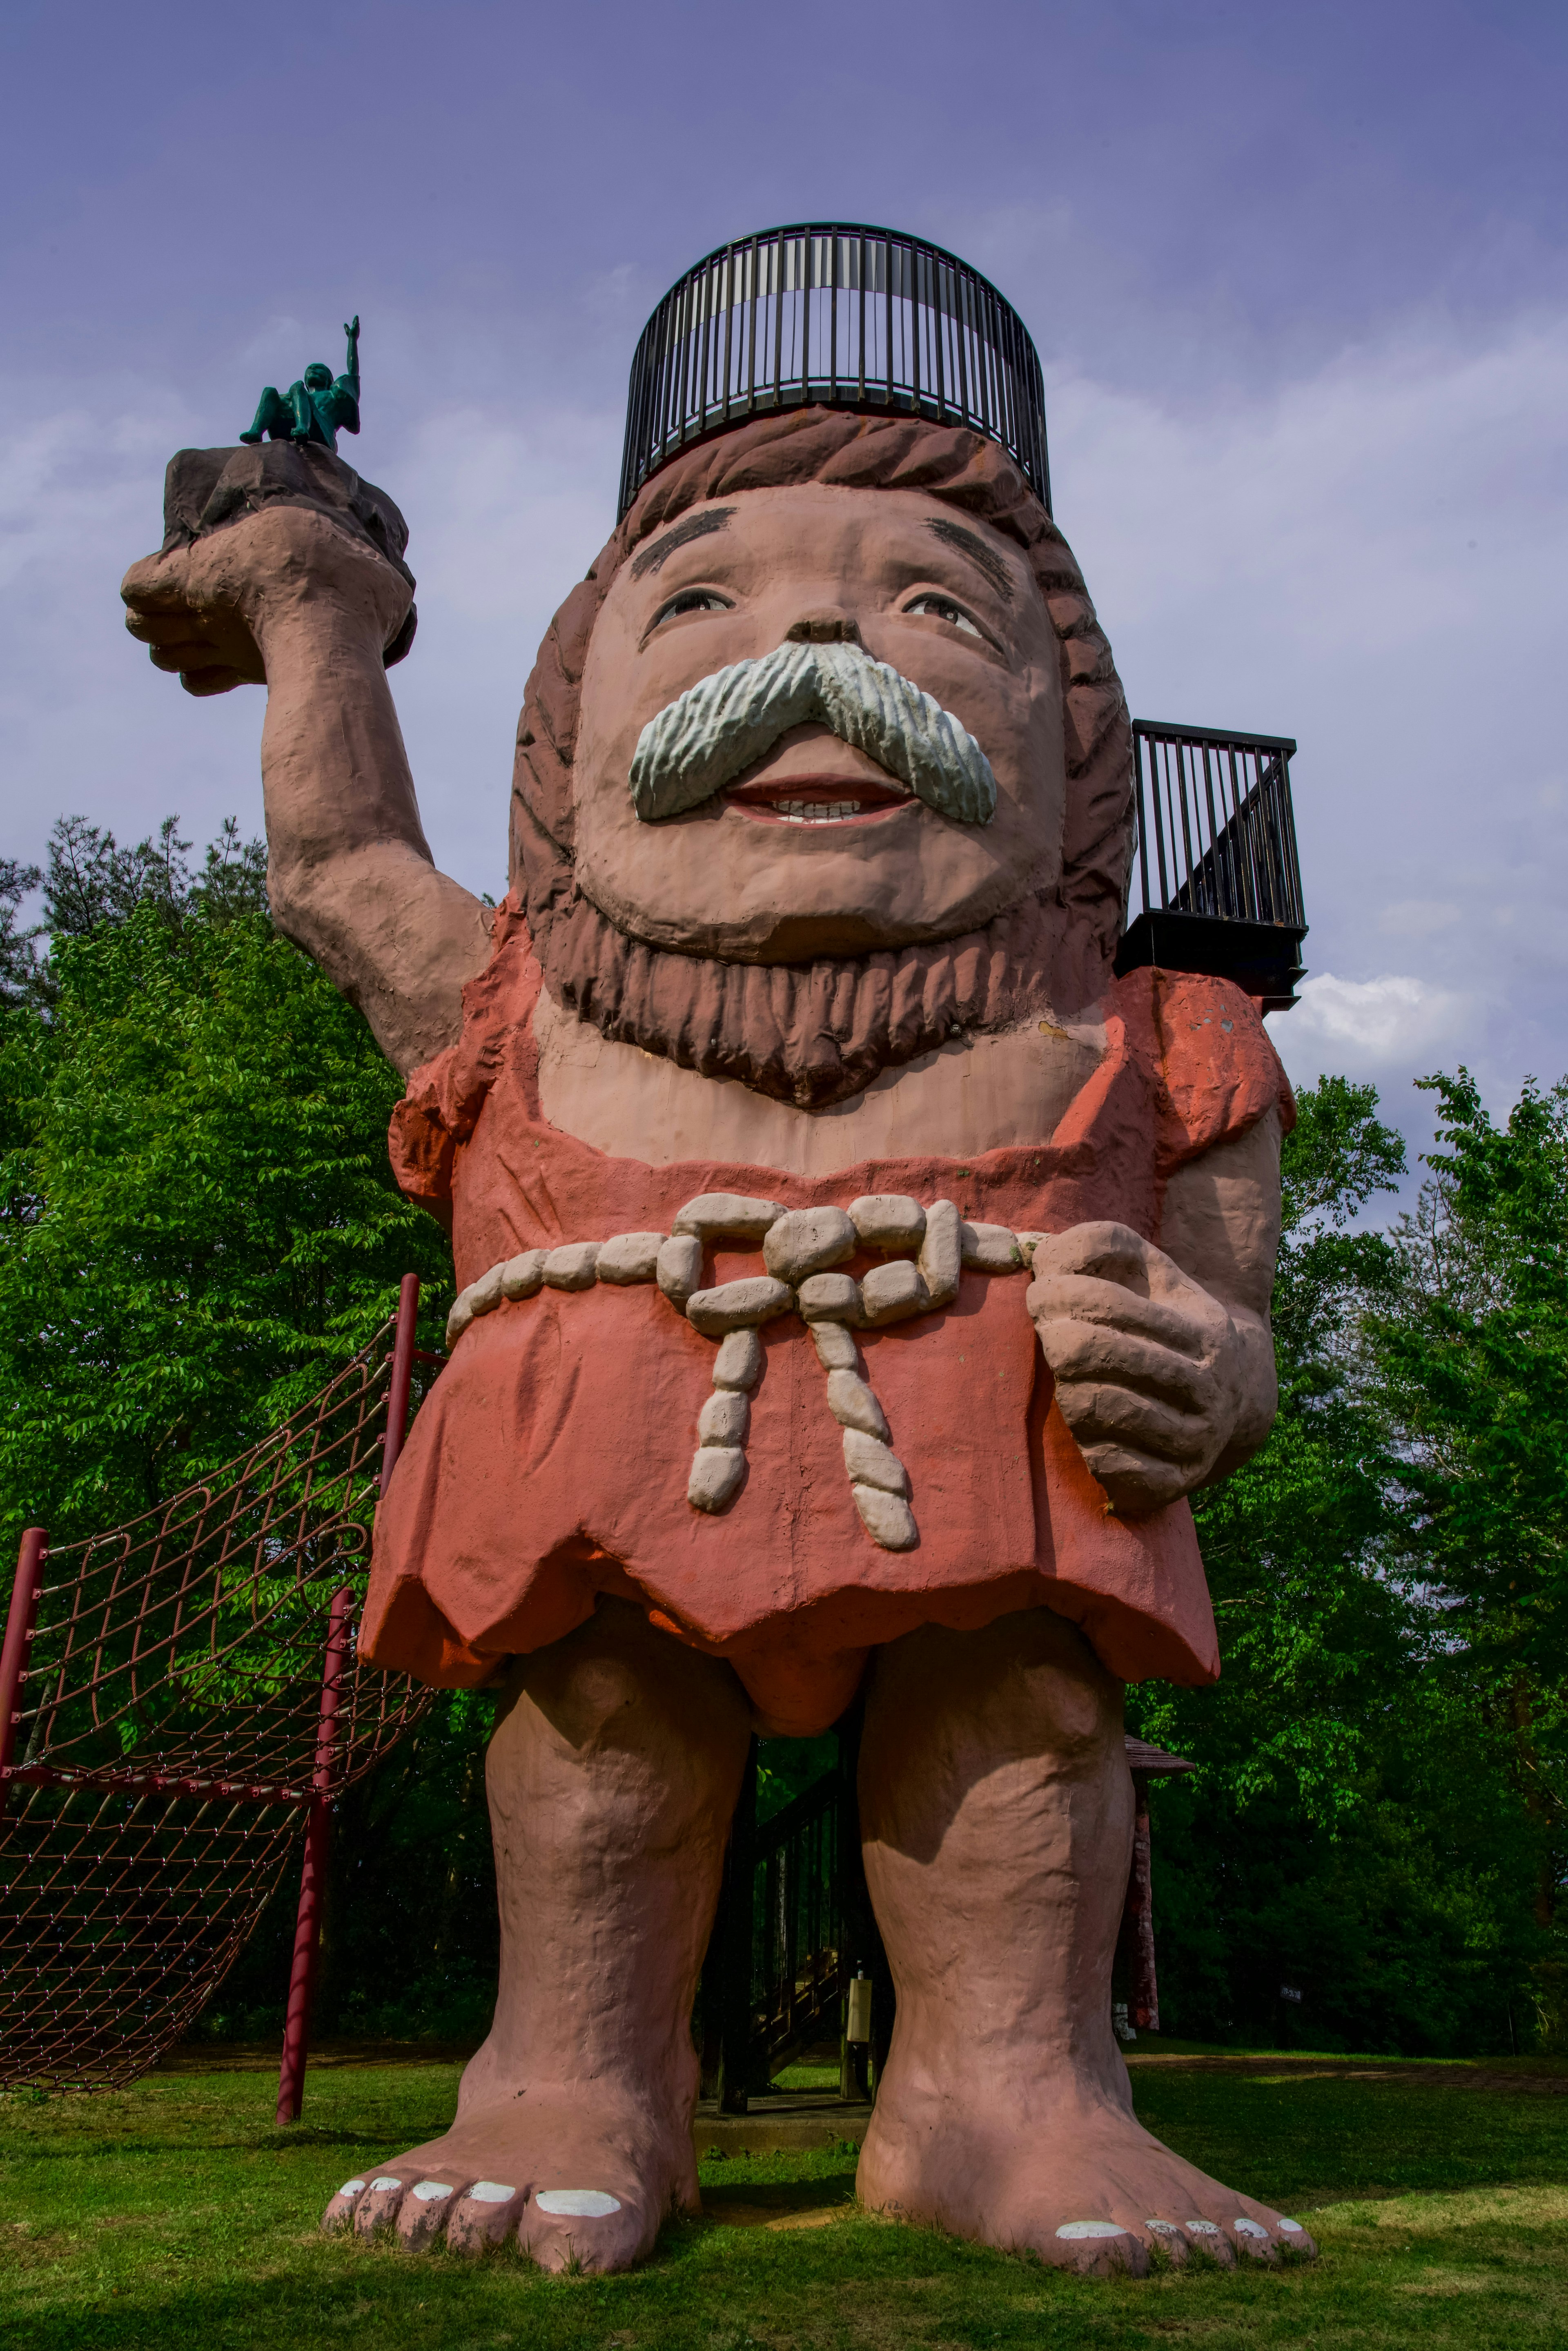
1474	1374
197	1225
1355	1830
197	1219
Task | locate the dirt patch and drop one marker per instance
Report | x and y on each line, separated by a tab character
1525	2080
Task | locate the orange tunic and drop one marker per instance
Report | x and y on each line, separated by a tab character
549	1463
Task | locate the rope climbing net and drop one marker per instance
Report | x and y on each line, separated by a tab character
167	1728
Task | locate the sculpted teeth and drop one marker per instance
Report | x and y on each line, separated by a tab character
815	812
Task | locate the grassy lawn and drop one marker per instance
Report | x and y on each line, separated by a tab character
175	2215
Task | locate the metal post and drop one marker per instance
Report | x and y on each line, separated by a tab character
313	1877
21	1617
401	1373
735	2048
1143	2000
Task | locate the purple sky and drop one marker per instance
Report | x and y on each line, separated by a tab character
1297	277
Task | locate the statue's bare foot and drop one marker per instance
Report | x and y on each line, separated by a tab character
572	2184
997	1808
1077	2182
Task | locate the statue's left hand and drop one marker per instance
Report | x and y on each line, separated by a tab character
1149	1366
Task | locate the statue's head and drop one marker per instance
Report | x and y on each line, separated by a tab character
318	378
826	759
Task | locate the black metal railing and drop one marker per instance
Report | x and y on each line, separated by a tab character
797	1950
1216	886
794	1927
841	316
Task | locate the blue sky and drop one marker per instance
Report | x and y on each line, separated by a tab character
1297	277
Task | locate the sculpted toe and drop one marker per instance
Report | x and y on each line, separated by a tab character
485	2214
341	2206
567	2227
426	2209
1208	2238
378	2207
1097	2249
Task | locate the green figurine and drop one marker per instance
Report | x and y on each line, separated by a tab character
318	407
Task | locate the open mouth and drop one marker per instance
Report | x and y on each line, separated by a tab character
817	799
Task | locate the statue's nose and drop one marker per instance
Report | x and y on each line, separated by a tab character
824	628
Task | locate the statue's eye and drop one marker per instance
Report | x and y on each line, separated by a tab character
943	608
692	599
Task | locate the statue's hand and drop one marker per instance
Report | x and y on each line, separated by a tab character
215	612
1149	1367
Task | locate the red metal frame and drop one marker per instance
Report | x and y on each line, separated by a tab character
401	1374
313	1878
163	1681
317	1834
21	1617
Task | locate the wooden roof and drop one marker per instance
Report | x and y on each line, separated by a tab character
1141	1757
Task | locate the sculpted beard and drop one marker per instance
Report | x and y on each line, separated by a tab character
809	1034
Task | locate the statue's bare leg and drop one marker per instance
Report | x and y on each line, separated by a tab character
997	1811
272	415
613	1776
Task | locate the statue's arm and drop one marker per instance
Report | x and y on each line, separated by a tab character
1163	1357
1221	1225
345	393
286	599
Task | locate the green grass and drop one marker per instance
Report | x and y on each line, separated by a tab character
173	2214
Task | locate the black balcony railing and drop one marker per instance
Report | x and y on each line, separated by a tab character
832	314
1216	884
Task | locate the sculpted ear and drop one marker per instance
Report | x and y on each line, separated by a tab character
547	731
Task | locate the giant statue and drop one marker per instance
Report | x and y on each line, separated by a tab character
855	1276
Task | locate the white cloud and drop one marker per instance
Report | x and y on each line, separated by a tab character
1419	918
1365	1028
1297	559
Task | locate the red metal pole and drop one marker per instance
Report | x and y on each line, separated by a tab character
313	1877
21	1617
401	1372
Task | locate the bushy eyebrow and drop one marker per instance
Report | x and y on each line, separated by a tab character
696	526
953	534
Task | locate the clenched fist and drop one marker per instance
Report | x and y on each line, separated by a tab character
1150	1369
268	543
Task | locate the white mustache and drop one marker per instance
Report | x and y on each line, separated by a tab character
722	725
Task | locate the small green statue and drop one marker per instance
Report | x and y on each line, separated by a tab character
318	407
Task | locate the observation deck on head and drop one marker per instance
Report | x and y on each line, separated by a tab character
835	314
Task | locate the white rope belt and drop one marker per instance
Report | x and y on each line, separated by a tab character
923	1251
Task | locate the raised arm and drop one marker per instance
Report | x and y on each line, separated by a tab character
290	597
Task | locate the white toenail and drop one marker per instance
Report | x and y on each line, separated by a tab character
491	2191
1250	2229
356	2187
1091	2229
385	2183
582	2203
427	2191
1202	2227
1294	2227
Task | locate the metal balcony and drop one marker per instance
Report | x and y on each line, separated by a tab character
832	314
1216	886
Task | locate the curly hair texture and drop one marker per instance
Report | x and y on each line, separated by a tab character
815	1033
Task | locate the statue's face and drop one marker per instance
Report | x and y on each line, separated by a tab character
317	377
771	867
